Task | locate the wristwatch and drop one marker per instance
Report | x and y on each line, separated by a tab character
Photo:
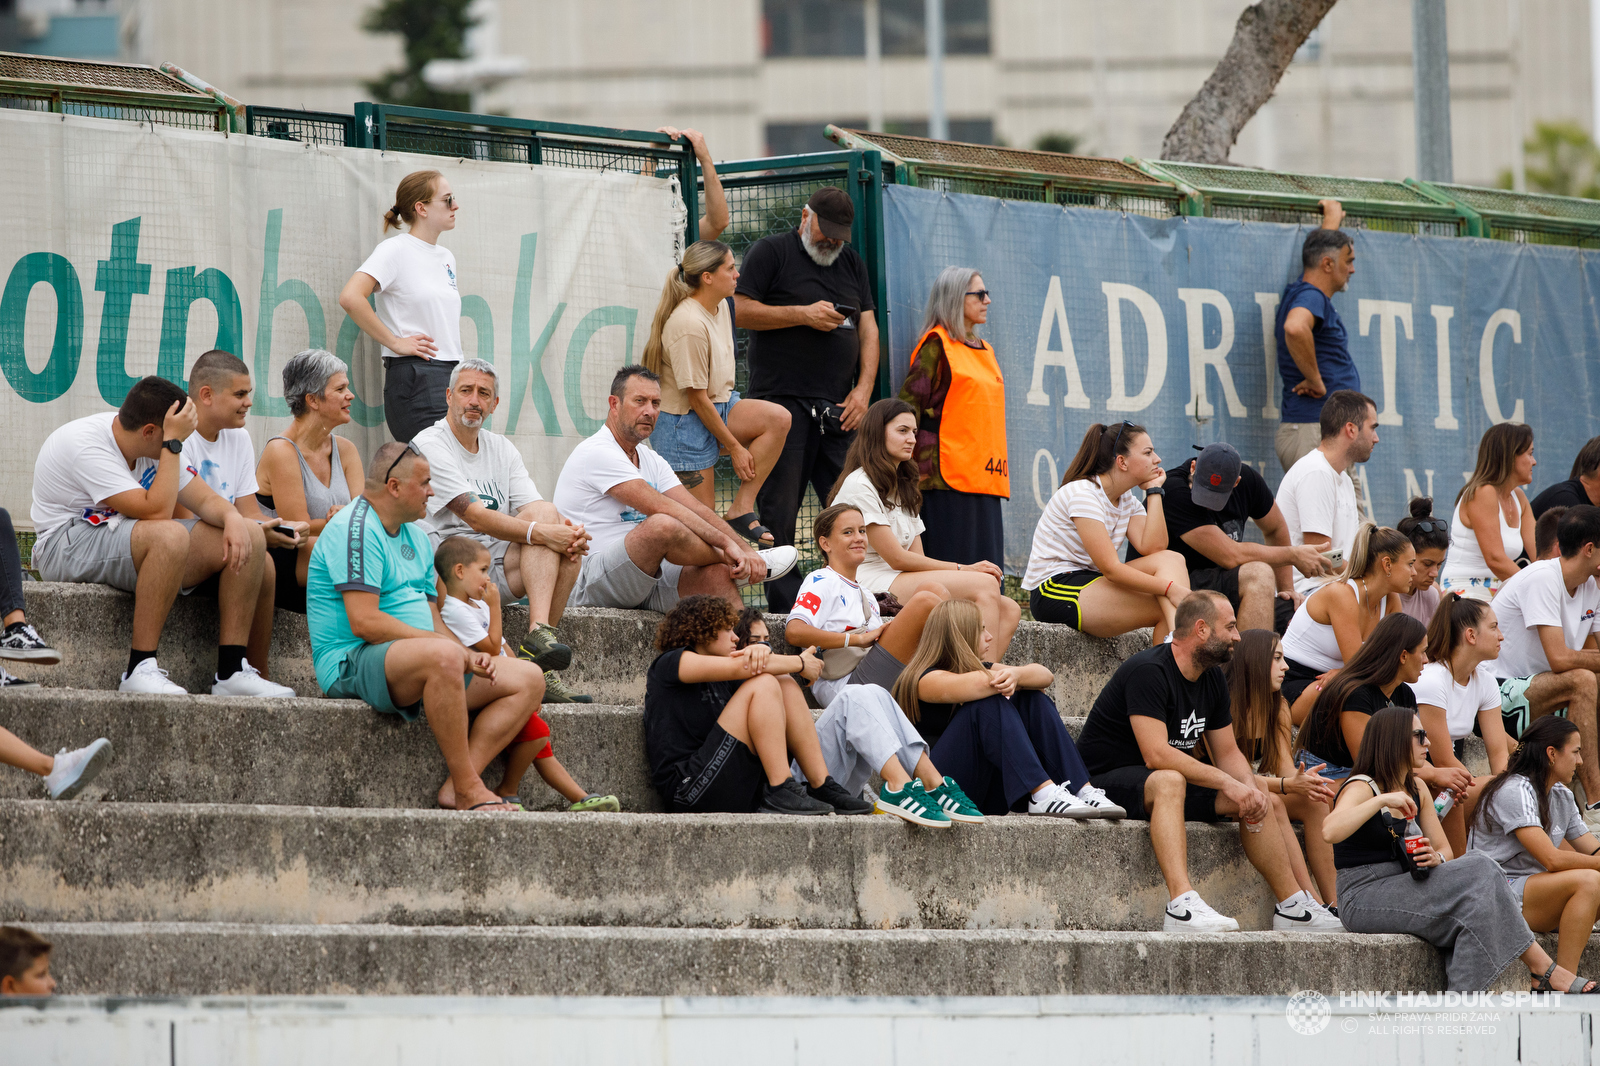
1157	491
173	446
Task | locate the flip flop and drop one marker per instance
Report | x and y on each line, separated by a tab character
748	526
490	803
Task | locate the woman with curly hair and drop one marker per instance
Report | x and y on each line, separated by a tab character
720	726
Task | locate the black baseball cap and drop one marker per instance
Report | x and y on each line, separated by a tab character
835	213
1216	471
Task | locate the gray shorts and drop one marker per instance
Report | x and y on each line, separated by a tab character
610	579
497	564
87	554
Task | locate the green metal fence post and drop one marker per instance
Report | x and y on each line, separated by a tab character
1475	223
689	185
366	126
875	254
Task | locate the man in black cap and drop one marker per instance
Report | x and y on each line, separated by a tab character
806	296
1208	501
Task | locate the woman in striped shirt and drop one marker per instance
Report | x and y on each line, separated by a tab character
1075	571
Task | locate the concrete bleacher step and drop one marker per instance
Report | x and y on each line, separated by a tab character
175	958
219	862
317	752
612	649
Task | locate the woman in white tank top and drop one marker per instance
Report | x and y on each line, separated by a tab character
1484	540
1329	627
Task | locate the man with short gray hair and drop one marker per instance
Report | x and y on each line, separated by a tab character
482	490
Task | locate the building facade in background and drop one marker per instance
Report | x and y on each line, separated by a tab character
763	76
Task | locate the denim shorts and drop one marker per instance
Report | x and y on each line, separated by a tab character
685	442
1304	760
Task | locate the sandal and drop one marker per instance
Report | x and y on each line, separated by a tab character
749	526
1542	984
492	803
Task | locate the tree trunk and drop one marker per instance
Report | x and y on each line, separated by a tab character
1265	39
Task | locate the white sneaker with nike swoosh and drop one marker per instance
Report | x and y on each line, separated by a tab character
1296	915
1191	914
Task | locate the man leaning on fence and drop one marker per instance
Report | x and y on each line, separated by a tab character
1313	348
806	296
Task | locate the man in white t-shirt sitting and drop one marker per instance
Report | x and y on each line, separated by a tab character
1317	496
223	456
481	490
651	540
1549	615
105	488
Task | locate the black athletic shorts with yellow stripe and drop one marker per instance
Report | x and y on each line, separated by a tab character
1056	598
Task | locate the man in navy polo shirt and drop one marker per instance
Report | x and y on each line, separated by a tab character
1313	349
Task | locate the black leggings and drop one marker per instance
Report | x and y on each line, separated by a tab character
10	566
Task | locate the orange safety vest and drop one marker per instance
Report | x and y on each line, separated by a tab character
972	426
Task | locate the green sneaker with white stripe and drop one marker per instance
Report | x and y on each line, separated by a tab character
956	804
913	804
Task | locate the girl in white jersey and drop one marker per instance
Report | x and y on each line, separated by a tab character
418	315
1328	628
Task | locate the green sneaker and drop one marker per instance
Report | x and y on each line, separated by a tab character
592	802
913	804
541	648
956	805
556	690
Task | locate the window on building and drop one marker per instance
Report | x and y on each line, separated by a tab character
967	130
798	138
813	28
966	27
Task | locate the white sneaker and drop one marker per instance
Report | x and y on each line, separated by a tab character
149	678
75	769
1191	914
1303	917
1101	803
249	682
1057	802
779	560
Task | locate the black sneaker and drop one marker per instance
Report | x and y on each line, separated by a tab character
22	642
834	795
790	798
10	681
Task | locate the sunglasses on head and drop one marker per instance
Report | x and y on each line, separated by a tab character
412	448
1429	525
1118	438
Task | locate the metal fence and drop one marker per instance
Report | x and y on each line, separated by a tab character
127	91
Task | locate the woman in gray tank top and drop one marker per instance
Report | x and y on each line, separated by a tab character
306	474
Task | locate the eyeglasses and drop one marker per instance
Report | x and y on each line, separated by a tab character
1429	525
982	294
410	447
1420	734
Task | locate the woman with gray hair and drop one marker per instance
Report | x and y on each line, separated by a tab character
306	474
959	395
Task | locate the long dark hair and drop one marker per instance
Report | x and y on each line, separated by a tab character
1099	450
1375	664
1531	761
1260	715
895	482
1451	620
1386	752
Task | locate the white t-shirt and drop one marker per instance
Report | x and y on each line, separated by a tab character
468	621
417	292
79	467
1057	546
594	468
1461	703
833	603
496	475
228	465
857	491
1534	596
1315	497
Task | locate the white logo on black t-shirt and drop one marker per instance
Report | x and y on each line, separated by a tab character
1192	726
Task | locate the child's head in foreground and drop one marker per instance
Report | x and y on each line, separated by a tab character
463	565
24	963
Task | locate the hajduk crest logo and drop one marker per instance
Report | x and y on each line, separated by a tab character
1308	1012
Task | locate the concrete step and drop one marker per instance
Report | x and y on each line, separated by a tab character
90	625
174	959
315	752
218	862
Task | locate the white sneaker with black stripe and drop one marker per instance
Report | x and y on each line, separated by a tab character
1053	801
911	803
1101	803
1297	914
1191	914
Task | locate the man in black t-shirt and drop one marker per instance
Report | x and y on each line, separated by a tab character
1581	490
1208	501
806	297
1140	744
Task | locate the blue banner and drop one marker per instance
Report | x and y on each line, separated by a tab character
1100	316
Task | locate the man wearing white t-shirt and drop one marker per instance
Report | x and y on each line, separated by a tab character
223	456
651	541
1549	614
1317	496
105	488
481	489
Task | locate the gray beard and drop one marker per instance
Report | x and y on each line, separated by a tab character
818	255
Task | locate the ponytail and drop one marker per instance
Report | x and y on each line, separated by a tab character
1451	621
682	280
415	188
1373	542
1099	450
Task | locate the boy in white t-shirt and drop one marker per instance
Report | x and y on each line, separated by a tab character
223	456
469	605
